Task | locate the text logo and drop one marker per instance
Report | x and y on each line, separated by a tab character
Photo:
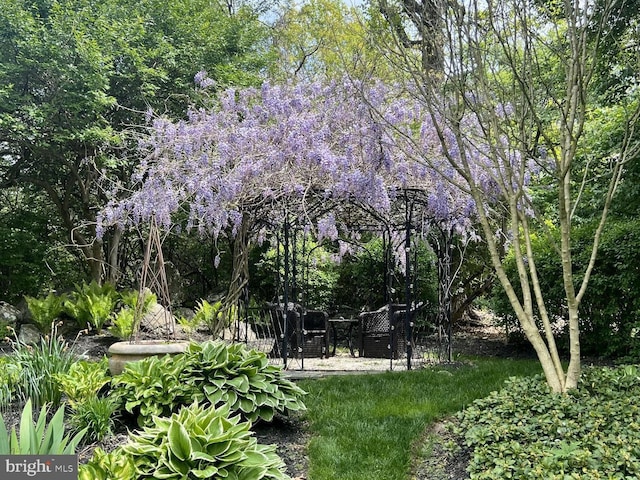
49	467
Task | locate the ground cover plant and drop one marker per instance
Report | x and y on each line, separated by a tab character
523	431
366	426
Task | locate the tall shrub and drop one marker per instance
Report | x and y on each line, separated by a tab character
610	311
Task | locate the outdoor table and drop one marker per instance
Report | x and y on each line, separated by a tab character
350	322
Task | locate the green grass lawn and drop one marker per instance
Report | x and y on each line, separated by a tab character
365	426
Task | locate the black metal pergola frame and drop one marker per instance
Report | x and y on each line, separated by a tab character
440	238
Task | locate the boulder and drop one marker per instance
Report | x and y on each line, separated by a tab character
29	334
9	315
239	333
157	322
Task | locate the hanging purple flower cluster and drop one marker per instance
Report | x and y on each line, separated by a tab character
260	150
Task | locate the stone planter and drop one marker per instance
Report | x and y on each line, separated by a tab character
120	353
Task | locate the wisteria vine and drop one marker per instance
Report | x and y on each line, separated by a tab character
283	146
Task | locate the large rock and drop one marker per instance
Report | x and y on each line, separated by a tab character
239	333
157	322
10	318
9	315
29	334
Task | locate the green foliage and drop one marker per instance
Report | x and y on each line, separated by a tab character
196	442
317	279
242	379
6	328
524	431
83	380
9	377
122	323
130	299
81	385
137	55
209	315
95	415
38	438
190	325
361	277
202	442
213	372
38	366
611	306
92	304
155	386
610	309
45	311
32	257
108	466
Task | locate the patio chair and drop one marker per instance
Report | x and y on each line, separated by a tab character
292	330
382	332
315	334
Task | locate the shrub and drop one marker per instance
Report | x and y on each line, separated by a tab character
38	438
524	431
243	379
153	386
38	366
197	442
610	308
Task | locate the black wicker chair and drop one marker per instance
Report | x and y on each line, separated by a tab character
315	334
382	333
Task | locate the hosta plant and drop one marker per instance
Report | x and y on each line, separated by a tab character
108	466
153	386
243	379
202	442
83	380
38	438
212	372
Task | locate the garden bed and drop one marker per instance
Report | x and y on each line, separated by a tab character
291	434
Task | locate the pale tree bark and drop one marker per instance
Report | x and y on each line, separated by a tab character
522	73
